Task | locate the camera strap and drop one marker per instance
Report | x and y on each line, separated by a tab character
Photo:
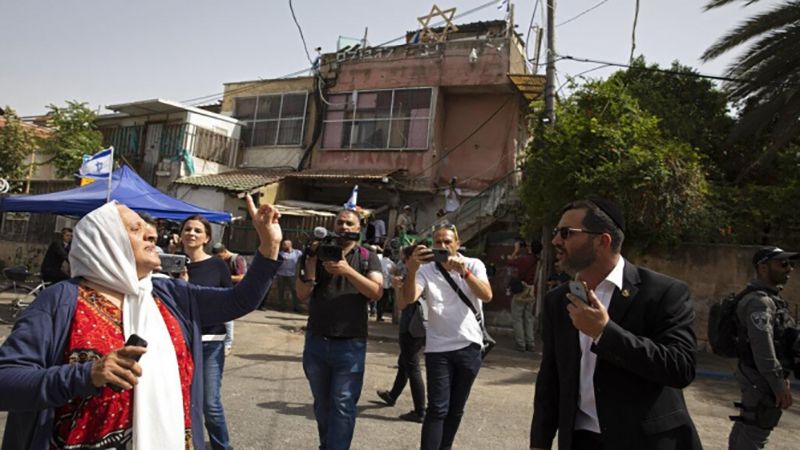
460	293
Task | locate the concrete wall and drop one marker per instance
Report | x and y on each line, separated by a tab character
712	271
273	156
23	254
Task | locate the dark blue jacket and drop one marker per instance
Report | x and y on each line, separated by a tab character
34	380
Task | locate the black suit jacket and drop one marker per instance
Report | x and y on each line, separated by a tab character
645	356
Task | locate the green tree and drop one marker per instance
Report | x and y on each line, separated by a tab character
690	109
74	135
17	143
604	144
766	76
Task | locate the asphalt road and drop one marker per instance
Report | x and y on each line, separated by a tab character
268	403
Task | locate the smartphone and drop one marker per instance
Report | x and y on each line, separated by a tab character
440	255
576	288
135	341
172	263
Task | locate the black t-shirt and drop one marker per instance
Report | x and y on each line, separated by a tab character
336	308
211	272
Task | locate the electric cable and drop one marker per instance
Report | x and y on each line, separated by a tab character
581	14
300	30
210	97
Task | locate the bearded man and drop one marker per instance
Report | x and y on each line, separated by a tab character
614	366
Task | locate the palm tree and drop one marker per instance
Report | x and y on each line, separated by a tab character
766	78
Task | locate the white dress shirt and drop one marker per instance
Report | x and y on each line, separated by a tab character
586	416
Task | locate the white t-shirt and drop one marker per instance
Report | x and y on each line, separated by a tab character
451	324
451	199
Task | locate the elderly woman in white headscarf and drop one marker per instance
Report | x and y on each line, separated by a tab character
66	376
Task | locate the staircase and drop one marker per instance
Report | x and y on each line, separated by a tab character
481	211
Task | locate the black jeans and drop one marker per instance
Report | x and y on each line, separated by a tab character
450	377
385	303
408	370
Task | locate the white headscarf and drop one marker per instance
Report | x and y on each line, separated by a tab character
101	253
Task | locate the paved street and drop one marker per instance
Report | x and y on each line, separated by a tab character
268	404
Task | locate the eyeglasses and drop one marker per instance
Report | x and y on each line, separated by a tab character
566	232
786	264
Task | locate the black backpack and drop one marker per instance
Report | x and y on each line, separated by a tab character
723	324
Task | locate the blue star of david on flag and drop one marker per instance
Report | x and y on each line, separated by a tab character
98	165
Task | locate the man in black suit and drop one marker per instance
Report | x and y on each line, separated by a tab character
55	257
612	369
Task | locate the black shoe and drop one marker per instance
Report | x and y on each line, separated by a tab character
529	348
386	397
519	348
412	416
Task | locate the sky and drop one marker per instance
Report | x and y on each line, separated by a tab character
117	51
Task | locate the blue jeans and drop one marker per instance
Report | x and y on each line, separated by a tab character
335	371
213	365
450	377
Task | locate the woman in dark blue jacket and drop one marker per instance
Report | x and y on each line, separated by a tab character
66	377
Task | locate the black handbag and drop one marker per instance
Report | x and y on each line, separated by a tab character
488	342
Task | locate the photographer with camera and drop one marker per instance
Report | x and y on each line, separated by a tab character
338	277
767	334
454	336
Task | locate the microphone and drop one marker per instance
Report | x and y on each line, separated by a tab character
320	233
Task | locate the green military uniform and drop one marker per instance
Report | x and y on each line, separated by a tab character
764	363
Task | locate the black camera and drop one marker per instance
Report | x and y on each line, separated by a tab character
329	252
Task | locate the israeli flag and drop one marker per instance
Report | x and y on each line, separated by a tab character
351	202
97	166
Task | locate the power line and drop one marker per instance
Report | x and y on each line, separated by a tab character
668	71
572	77
461	142
633	33
299	29
209	97
586	11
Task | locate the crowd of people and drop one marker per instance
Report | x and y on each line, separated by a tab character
617	340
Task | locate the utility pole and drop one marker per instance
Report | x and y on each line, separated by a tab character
550	73
546	257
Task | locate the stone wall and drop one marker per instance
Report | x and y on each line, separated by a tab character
712	271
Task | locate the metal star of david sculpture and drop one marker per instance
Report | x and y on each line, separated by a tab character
426	34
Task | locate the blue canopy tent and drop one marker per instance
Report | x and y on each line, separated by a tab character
126	187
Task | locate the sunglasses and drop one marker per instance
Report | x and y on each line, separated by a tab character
446	226
567	232
786	264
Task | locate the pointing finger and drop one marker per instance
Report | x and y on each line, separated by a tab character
251	206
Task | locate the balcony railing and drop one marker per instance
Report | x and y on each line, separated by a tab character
200	142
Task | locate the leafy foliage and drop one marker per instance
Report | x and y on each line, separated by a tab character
690	109
604	144
17	143
74	135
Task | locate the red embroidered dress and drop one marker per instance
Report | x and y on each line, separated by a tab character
105	420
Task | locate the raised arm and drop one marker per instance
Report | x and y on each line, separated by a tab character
222	305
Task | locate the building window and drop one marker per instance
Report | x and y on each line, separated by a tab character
275	119
391	119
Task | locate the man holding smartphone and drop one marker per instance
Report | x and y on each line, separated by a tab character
453	336
335	350
613	366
